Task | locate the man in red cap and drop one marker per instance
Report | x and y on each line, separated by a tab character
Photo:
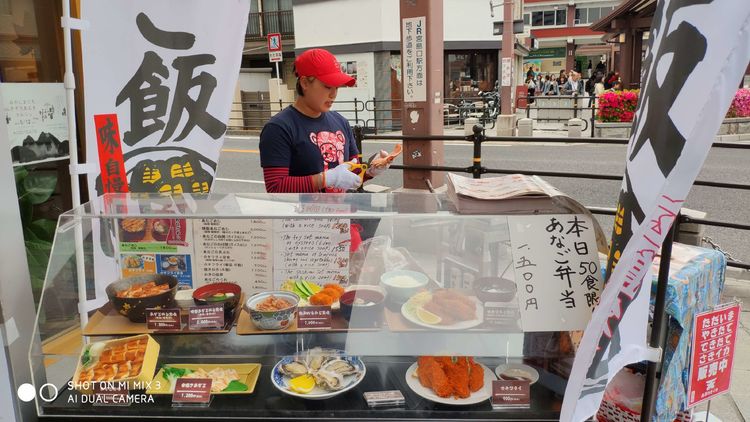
307	147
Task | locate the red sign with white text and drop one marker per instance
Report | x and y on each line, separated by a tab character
111	163
714	337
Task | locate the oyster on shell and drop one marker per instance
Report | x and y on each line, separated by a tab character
339	366
294	369
329	380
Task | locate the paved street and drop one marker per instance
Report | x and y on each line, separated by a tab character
239	171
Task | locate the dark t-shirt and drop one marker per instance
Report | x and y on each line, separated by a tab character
304	144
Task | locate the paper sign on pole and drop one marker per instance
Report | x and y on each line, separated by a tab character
556	267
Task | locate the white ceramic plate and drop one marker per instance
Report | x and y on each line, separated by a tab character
410	314
280	381
477	397
518	369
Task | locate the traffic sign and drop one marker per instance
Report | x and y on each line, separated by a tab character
274	47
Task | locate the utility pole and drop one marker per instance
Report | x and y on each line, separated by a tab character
507	120
422	83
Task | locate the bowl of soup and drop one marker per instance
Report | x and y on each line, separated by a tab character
226	294
400	285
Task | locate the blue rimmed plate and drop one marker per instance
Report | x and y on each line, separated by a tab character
281	381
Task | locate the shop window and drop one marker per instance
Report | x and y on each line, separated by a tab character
470	72
527	18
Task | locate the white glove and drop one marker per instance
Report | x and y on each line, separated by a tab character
375	171
341	177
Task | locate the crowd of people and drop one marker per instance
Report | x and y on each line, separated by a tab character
571	83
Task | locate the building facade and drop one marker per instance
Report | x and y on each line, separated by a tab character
564	38
365	37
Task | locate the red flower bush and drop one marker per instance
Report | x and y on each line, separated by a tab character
740	106
617	106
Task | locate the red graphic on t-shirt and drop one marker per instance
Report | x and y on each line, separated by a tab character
331	146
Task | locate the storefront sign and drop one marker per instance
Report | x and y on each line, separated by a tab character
511	394
413	46
713	341
206	317
557	271
547	53
314	318
192	390
235	250
36	118
163	319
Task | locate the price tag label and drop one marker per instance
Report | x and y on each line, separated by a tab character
314	318
163	319
502	314
192	390
206	317
511	394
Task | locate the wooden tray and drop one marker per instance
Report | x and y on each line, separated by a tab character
248	373
245	326
107	322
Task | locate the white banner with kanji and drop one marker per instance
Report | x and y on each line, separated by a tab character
159	81
164	72
698	51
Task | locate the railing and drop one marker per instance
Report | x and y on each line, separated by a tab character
375	115
580	107
476	169
261	24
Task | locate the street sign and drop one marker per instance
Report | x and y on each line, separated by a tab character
274	47
713	341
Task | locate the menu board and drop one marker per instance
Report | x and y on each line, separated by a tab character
557	272
235	251
156	246
313	249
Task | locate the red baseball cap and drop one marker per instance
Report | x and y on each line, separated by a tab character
322	65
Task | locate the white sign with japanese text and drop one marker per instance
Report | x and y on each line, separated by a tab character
37	121
557	271
236	251
507	70
316	250
413	46
169	75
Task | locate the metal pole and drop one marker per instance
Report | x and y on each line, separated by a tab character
70	86
278	80
375	114
708	410
356	120
358	135
477	138
659	330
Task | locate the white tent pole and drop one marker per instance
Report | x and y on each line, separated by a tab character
70	87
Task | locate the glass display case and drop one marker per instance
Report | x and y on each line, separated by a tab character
338	306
